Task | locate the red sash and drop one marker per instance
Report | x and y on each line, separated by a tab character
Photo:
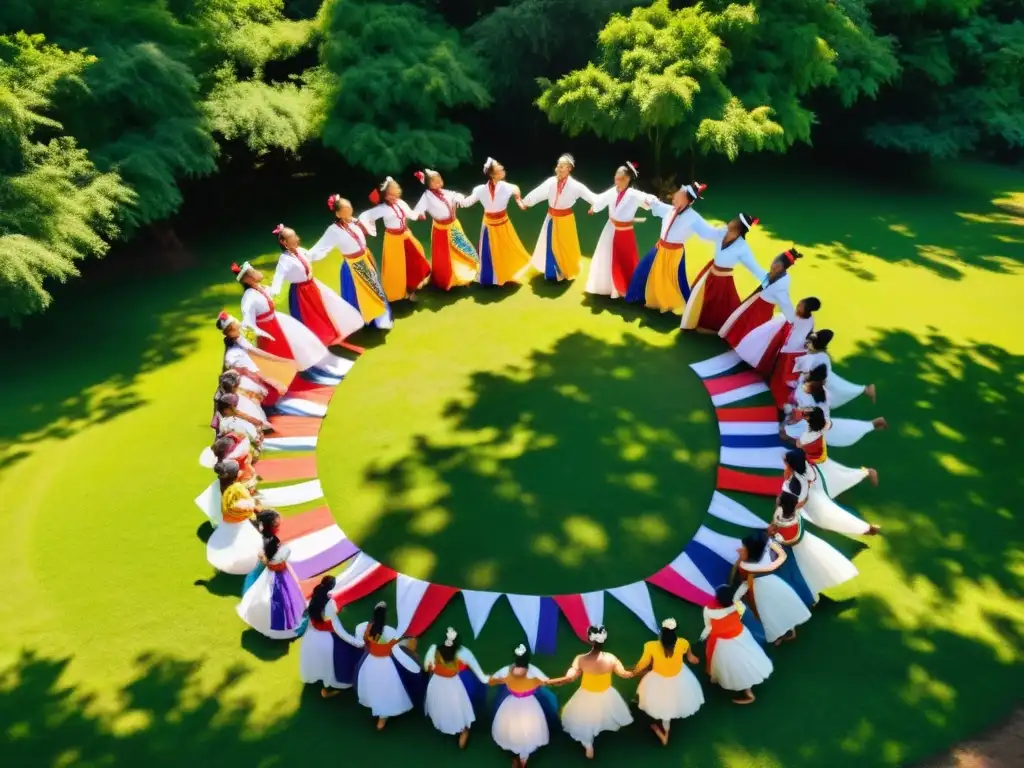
322	624
440	196
725	628
305	263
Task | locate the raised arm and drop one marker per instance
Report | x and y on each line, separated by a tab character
327	242
658	208
469	200
584	191
368	217
785	305
704	230
341	632
538	194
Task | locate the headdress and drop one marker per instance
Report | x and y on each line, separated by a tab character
520	650
669	624
567	158
382	187
278	230
489	163
240	270
449	637
425	174
695	190
748	222
633	168
597	634
332	201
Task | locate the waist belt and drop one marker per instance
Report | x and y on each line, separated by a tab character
622	225
559	211
670	246
721	271
401	231
496	218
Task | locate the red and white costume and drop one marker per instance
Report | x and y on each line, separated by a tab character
754	333
782	376
734	659
616	254
320	309
714	298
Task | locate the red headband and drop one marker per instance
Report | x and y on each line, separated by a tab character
789	256
375	197
223	316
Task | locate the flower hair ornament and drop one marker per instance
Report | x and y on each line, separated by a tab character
669	624
332	201
375	196
633	168
278	230
450	636
695	190
597	635
240	271
520	650
426	173
381	604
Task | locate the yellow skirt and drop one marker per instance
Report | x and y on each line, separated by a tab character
660	278
453	259
404	266
502	255
361	288
558	254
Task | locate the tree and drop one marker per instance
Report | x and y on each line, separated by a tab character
392	73
55	207
661	74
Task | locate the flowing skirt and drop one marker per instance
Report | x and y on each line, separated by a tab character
292	340
386	689
783	378
361	288
453	259
405	268
712	299
520	725
829	516
448	705
502	256
835	478
614	262
273	605
739	663
327	659
745	319
589	713
322	311
778	606
842	391
844	432
659	281
670	698
822	565
234	548
557	253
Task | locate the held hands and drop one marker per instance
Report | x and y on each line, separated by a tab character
522	206
690	657
590	212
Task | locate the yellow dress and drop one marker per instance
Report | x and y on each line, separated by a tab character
670	690
594	708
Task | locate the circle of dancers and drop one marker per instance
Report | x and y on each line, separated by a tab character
779	573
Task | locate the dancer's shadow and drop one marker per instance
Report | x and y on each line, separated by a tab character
222	584
550	289
262	647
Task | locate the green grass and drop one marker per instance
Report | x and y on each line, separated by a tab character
538	442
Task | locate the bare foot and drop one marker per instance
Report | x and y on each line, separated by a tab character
589	752
880	423
329	693
873	476
747	699
874	530
463	738
660	733
871	392
381	722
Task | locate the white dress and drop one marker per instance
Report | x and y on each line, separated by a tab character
738	663
589	713
823	511
290	269
822	565
378	682
841	390
599	280
834	478
307	350
446	703
234	547
238	426
843	433
237	358
520	725
778	605
572	191
670	698
255	609
316	653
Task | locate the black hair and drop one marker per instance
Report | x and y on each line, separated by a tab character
595	645
797	460
818	373
227	471
630	173
822	339
318	600
225	400
271	545
788	258
522	661
787	503
755	544
725	595
268	521
668	640
812	304
816	419
222	446
448	652
229	380
793	485
818	392
379	619
743	227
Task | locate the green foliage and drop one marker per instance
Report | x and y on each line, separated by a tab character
662	74
392	73
55	207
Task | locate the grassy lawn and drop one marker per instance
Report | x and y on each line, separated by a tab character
529	440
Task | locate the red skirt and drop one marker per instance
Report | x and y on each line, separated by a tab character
757	312
307	306
624	259
783	377
769	359
417	268
279	346
440	260
720	299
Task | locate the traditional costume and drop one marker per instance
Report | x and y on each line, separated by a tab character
775	602
616	255
713	297
840	390
670	691
832	477
557	253
734	659
453	259
523	709
235	545
793	346
404	267
455	688
821	565
238	359
360	286
388	677
273	603
842	433
596	706
324	657
753	320
659	281
316	306
816	507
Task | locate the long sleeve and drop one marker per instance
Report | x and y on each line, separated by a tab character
705	231
740	592
658	208
368	217
603	200
584	191
429	658
327	242
707	626
469	200
278	282
341	632
748	260
311	257
421	206
409	211
249	311
538	194
785	305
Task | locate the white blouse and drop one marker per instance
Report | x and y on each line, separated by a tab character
621	209
737	252
440	208
255	304
802	327
570	192
395	215
238	426
493	200
721	613
807	363
293	268
282	555
237	357
349	240
679	228
777	293
805	401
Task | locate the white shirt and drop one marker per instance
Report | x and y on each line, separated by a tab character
679	228
237	357
440	208
737	252
493	201
350	239
238	426
293	268
619	209
396	215
807	363
777	293
283	553
255	304
805	401
797	341
570	192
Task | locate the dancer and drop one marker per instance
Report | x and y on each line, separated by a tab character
235	545
324	657
404	267
557	253
760	306
775	602
388	677
821	565
813	394
670	691
616	256
453	259
321	310
276	332
841	390
238	357
713	298
502	256
596	706
833	476
231	421
247	403
273	605
659	281
776	345
801	479
734	659
523	708
456	685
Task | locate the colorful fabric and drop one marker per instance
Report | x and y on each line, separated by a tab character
405	267
453	259
502	254
307	305
712	300
562	259
659	281
361	288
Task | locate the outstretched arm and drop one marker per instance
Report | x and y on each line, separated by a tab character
704	230
537	194
467	201
748	260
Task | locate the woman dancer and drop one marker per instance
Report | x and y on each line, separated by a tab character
734	659
277	333
456	685
557	253
777	344
814	394
616	255
453	259
596	707
775	602
659	281
713	298
235	545
833	477
523	708
670	691
321	310
840	390
324	657
502	256
360	286
801	479
821	565
388	677
247	402
404	267
758	310
231	422
273	605
238	357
